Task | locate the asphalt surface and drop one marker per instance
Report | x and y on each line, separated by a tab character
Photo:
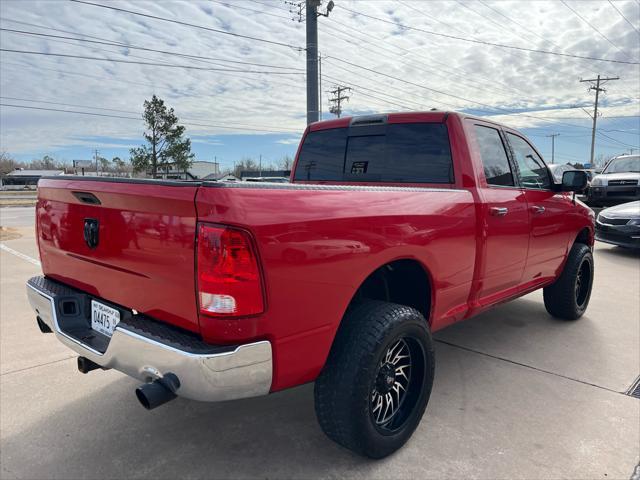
517	395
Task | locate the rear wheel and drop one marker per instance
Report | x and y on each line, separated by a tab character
569	296
374	388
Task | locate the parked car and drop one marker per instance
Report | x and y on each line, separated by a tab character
394	226
620	225
557	170
617	183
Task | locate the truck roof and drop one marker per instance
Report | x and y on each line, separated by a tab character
398	117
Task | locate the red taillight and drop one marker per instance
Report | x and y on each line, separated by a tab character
228	275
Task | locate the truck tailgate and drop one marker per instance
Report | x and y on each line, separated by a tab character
143	258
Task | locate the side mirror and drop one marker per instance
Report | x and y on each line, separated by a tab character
574	181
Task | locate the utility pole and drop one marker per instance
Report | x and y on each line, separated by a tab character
96	159
337	99
597	87
553	146
312	60
311	20
320	83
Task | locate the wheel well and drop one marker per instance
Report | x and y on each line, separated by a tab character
404	282
584	237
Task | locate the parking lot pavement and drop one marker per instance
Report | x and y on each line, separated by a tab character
517	395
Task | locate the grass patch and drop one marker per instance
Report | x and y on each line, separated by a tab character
17	202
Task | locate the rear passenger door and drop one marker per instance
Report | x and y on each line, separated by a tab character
547	210
505	218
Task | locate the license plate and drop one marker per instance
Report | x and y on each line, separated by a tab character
103	318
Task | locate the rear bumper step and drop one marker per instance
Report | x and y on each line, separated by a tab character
147	350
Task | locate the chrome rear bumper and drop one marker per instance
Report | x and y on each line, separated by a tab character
206	373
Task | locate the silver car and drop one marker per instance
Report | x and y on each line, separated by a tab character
617	183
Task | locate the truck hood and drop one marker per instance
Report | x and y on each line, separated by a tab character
607	177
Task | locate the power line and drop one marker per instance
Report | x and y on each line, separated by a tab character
483	42
499	111
622	15
358	88
383	84
400	48
186	24
154	86
415	84
507	112
261	12
442	70
93	107
488	19
523	27
243	77
154	64
272	5
67	104
147	49
94	114
592	27
140	118
5	19
618	141
458	73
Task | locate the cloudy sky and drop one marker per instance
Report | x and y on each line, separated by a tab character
242	96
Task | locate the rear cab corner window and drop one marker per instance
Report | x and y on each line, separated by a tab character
392	153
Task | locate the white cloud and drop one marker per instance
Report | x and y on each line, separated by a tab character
476	76
289	141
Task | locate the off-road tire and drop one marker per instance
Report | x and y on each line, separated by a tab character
562	298
343	391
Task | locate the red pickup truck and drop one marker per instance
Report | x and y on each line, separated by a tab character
393	226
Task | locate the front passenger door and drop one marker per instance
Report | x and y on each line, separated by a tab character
549	230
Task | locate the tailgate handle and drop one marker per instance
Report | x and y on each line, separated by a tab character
87	197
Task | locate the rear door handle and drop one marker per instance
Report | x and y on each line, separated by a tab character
538	209
499	211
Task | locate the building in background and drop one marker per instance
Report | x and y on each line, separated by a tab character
22	179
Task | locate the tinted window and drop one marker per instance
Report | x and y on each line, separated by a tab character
397	153
531	169
322	155
494	157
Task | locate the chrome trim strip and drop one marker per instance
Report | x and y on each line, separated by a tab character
328	187
244	372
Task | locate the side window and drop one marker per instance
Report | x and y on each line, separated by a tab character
494	157
532	170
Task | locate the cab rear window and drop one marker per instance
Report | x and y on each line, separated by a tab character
395	153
